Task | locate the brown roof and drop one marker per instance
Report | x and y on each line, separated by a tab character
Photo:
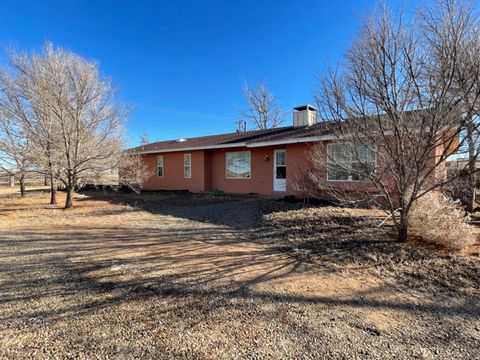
242	138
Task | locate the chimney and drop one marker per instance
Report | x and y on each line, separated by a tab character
305	115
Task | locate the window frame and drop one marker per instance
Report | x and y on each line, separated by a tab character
185	165
250	164
350	162
276	165
160	166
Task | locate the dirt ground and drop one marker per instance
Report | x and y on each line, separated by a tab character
196	276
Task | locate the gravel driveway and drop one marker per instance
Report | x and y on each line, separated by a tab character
176	277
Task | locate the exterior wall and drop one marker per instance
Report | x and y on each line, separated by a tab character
298	164
173	178
209	172
261	181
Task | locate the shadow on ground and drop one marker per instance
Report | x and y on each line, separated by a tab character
179	275
234	211
112	266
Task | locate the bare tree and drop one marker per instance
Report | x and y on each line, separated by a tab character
77	123
453	25
263	110
14	152
393	118
15	146
305	184
26	85
133	171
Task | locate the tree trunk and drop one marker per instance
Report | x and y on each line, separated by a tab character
51	179
69	199
70	188
53	195
402	233
53	191
12	181
53	186
22	185
471	189
402	227
471	168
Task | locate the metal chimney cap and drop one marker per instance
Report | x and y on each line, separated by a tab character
304	107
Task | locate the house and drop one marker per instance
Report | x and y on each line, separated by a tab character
260	161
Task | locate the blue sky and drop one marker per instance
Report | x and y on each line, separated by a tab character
181	64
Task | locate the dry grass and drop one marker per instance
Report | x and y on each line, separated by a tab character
437	220
195	276
341	240
34	210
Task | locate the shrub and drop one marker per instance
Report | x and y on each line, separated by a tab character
458	189
217	192
438	220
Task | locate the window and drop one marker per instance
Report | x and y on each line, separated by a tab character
345	166
238	165
187	166
160	165
280	164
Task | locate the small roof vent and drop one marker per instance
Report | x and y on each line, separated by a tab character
241	125
180	140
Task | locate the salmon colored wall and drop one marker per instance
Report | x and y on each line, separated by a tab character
261	181
208	171
297	164
209	167
173	178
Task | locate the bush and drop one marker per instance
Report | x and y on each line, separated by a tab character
459	188
217	192
438	220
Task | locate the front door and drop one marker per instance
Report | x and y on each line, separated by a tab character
280	170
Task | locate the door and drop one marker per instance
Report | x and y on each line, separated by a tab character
280	170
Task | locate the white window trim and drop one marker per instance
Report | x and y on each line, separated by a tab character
275	152
163	165
276	182
226	166
185	156
350	163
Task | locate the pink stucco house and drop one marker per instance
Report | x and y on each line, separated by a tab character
260	161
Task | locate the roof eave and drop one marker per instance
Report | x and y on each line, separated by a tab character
292	141
244	144
192	148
